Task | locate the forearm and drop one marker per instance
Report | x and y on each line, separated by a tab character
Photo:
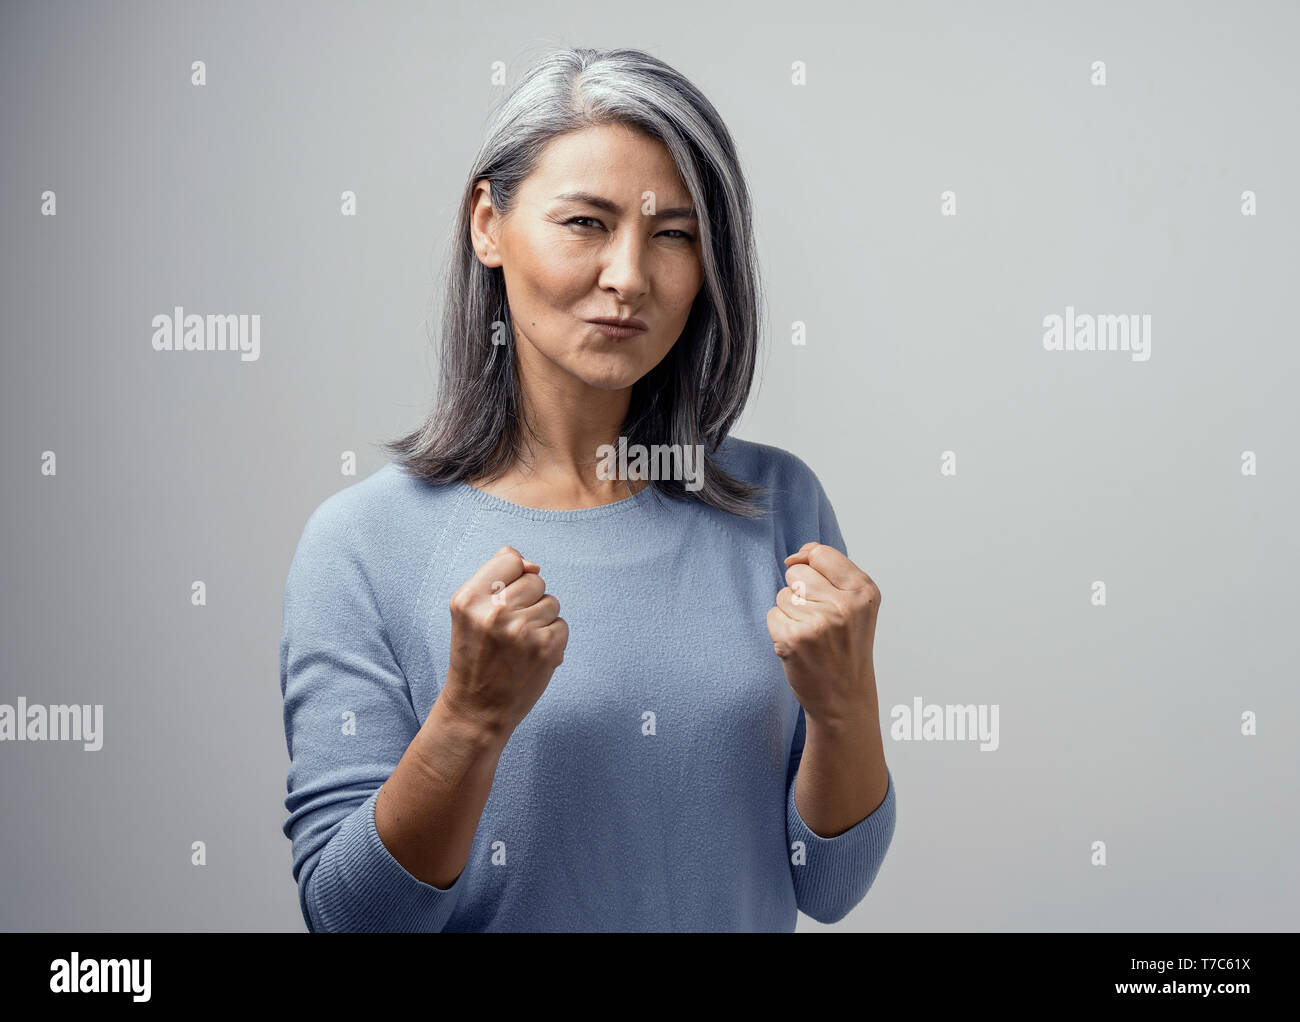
842	777
427	812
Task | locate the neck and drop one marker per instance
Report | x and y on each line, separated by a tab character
570	421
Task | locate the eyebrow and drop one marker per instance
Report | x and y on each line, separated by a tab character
602	203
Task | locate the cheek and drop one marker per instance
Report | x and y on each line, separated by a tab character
684	295
556	276
684	287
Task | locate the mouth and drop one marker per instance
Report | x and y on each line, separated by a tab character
618	328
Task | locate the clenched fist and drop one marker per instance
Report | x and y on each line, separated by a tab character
507	638
823	628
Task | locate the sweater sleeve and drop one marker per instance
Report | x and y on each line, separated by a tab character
833	874
348	719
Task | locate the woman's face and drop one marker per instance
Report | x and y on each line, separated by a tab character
615	252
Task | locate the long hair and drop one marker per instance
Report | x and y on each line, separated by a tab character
698	390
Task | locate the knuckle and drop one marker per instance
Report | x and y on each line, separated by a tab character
551	649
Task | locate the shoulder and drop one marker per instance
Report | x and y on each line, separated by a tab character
801	510
785	473
373	515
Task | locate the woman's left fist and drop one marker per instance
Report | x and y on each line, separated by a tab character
823	628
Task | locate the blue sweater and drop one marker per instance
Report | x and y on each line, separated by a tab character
651	787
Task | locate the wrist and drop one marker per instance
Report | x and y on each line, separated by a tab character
470	725
847	720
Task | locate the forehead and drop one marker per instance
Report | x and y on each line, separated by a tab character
606	157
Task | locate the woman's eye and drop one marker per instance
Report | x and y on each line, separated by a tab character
586	221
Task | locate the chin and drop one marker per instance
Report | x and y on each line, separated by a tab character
610	374
609	381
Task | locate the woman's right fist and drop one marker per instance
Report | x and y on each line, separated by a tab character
507	638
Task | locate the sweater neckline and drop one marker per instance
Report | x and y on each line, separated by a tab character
539	514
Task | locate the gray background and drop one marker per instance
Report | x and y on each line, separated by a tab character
1118	723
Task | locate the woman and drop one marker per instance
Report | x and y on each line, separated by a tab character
695	744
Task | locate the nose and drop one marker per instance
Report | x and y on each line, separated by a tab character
624	268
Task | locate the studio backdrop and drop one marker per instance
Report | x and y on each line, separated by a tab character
1029	275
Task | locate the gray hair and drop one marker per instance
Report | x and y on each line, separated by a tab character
695	394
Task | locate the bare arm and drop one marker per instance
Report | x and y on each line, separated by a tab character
506	642
842	776
428	811
825	635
